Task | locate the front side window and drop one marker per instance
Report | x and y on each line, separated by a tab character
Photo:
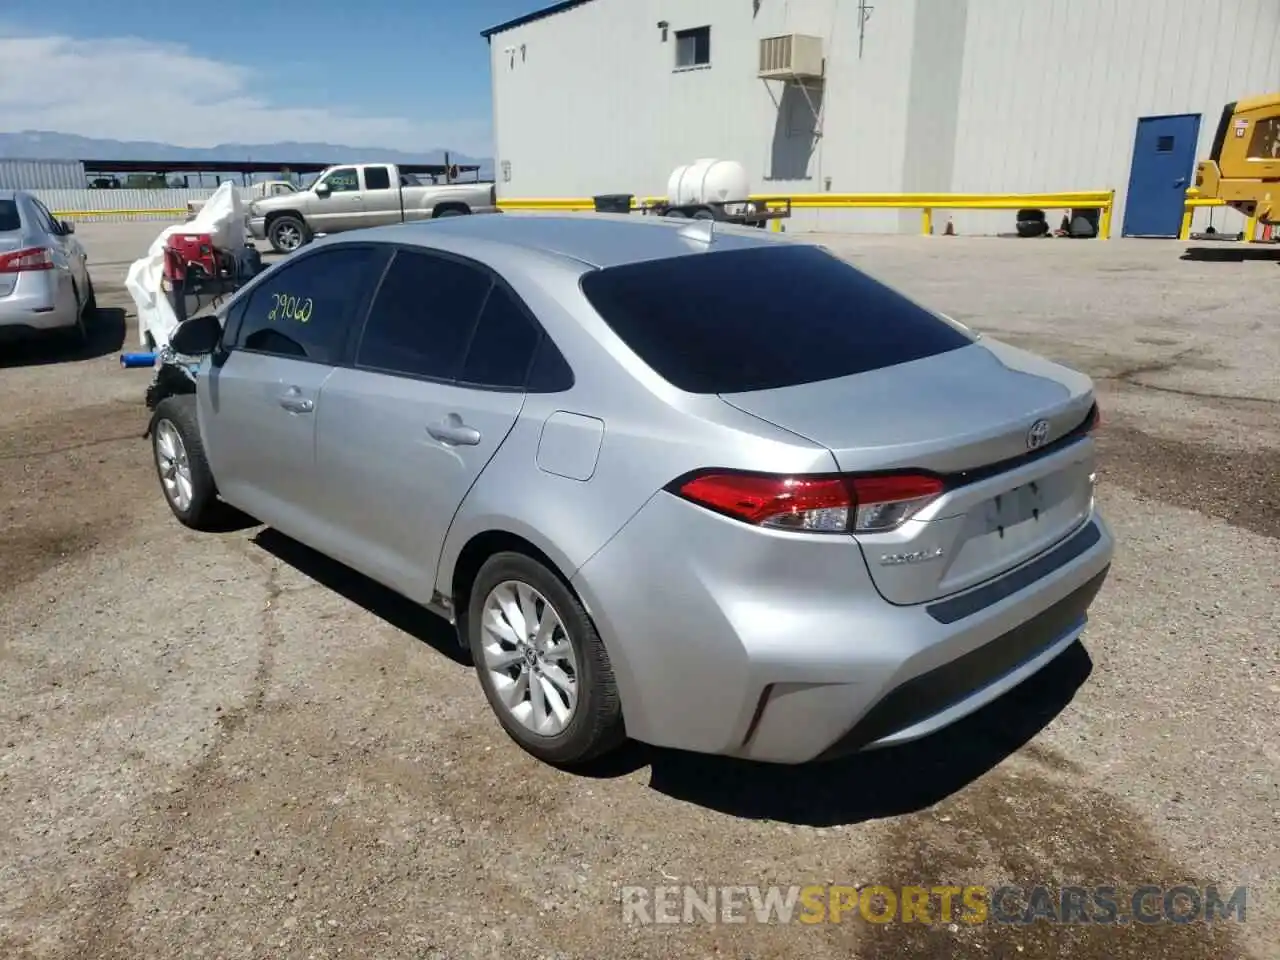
1265	142
306	308
343	180
423	316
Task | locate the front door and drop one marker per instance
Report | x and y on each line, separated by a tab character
342	208
1164	159
260	403
403	438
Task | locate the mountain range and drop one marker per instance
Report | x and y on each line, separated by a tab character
46	145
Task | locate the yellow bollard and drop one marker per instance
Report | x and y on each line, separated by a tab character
926	221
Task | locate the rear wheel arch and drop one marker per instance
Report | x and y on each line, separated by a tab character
450	208
472	557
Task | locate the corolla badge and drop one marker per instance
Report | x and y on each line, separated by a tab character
917	556
1038	434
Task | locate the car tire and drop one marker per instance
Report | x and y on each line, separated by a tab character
703	215
595	725
181	465
76	336
90	310
283	229
451	212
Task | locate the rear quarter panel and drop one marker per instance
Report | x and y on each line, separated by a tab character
652	435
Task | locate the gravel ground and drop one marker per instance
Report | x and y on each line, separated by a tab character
226	746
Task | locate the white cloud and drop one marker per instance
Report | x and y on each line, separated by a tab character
133	89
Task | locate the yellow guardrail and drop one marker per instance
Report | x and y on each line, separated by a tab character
1195	202
926	203
76	214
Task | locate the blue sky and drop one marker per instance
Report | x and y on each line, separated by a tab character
391	73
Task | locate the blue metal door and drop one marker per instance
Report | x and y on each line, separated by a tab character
1164	158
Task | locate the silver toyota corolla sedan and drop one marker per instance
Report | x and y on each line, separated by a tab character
712	489
44	275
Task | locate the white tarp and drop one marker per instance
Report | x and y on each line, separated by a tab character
222	216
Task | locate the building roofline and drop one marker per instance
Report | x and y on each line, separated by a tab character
562	7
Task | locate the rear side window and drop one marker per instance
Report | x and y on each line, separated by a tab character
423	316
503	345
766	317
377	178
9	219
305	309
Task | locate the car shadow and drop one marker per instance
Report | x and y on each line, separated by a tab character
875	784
106	335
1232	254
401	612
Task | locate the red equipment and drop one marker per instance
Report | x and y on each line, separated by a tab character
191	253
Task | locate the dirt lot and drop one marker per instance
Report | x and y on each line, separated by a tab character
224	746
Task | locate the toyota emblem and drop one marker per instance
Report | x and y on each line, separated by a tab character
1038	434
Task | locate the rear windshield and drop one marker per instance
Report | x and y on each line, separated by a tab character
765	317
9	219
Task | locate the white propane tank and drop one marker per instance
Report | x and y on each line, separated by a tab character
708	181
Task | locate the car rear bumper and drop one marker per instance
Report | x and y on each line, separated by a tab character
781	650
39	303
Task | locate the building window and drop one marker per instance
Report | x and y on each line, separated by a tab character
693	48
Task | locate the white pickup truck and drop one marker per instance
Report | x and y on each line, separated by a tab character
353	196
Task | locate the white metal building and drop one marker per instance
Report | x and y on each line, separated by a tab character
894	96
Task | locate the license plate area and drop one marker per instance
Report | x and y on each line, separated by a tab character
1013	508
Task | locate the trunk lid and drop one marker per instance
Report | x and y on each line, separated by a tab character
967	414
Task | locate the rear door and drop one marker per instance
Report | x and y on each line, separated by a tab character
381	195
260	401
403	435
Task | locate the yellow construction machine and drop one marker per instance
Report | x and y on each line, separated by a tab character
1244	168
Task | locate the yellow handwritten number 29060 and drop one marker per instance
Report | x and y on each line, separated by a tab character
288	307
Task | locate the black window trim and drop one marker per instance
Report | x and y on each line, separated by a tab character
495	280
342	349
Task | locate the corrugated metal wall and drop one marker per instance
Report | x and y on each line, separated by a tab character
590	101
124	205
1051	90
41	174
986	96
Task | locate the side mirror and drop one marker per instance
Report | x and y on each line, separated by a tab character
197	336
67	226
322	190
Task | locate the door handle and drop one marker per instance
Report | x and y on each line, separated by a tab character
1180	181
454	432
294	403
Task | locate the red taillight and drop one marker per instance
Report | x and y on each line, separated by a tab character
815	504
20	261
1095	419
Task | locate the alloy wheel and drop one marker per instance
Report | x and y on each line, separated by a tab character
175	470
530	658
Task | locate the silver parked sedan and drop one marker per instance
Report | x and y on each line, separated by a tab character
45	286
712	489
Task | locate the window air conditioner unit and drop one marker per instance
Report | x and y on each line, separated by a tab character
793	56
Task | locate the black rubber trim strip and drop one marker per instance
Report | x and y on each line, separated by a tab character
931	693
967	604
